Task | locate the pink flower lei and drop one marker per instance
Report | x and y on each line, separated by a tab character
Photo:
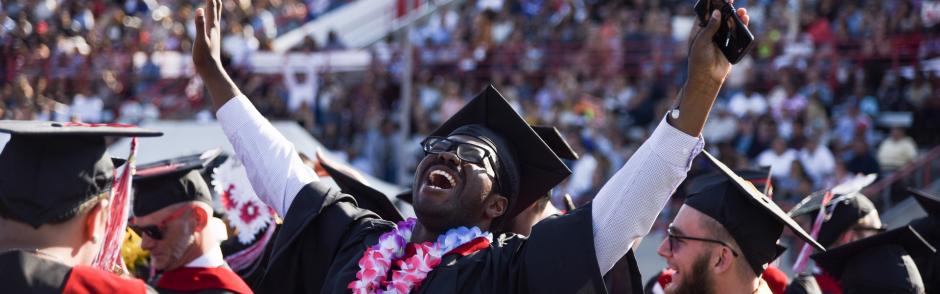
390	249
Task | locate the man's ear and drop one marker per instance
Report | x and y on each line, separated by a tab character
725	260
201	217
93	219
495	206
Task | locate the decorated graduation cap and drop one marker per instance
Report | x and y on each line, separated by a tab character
526	166
759	177
844	210
752	219
878	264
48	169
366	196
171	181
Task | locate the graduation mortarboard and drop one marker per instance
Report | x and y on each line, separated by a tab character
48	169
878	264
366	196
527	167
556	142
844	211
760	178
930	203
167	182
752	219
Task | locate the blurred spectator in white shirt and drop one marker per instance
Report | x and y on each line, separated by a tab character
302	86
818	160
748	102
779	157
897	150
87	107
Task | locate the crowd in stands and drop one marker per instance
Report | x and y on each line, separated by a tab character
809	100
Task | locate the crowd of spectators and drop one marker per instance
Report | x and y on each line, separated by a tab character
809	100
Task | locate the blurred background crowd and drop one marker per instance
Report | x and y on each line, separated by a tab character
832	88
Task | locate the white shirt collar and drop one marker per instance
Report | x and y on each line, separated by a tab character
213	258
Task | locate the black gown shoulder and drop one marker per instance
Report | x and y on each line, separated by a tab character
325	233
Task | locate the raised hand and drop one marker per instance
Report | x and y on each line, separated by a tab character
705	59
207	45
708	68
207	52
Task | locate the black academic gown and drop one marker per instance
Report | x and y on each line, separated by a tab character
325	234
23	272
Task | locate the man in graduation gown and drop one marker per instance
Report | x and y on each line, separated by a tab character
724	237
883	263
55	188
173	215
483	166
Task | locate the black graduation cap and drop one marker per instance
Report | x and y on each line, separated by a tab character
753	220
556	142
846	210
167	182
366	196
760	178
878	264
527	166
47	169
930	203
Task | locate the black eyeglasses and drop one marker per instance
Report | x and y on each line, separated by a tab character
156	231
465	151
674	239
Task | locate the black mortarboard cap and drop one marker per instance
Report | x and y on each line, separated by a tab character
366	197
846	211
753	220
48	169
556	142
930	203
528	168
760	178
167	182
878	264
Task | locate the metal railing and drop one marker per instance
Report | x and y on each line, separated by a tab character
919	173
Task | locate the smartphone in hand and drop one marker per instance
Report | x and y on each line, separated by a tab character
733	38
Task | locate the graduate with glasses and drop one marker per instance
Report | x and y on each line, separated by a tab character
491	167
173	216
724	237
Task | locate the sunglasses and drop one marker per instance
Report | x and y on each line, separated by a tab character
674	240
156	231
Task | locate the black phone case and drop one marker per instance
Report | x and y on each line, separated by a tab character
734	40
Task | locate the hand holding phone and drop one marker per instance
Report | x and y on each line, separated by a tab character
733	38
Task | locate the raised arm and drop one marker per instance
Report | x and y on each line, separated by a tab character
274	168
627	205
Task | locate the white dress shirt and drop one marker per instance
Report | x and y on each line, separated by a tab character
210	259
623	211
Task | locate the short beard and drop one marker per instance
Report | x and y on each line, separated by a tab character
698	279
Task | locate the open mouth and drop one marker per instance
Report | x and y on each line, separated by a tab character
440	179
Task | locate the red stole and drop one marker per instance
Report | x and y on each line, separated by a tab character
87	280
190	279
828	284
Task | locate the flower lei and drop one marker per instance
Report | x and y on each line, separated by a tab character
390	249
